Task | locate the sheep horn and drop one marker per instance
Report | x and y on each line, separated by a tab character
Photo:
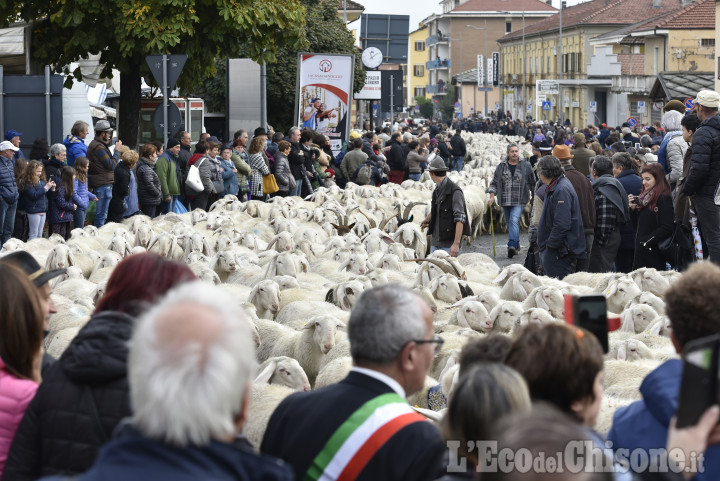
372	221
409	207
447	269
385	221
347	216
338	214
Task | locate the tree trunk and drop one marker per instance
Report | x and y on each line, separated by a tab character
129	115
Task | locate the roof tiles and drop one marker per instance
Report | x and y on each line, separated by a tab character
504	6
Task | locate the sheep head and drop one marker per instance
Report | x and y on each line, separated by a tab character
265	296
446	288
324	329
283	371
473	314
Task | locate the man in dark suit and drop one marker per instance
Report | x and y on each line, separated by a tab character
363	428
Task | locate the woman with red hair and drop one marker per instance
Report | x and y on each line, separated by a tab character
653	216
85	394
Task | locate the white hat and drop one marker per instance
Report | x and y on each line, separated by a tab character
708	98
7	145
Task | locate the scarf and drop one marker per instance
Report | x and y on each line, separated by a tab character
644	198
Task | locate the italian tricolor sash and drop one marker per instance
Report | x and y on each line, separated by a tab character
356	441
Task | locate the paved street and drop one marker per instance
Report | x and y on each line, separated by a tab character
483	244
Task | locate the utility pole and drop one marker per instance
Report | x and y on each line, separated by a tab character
524	98
561	101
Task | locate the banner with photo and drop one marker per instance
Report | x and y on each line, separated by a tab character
324	95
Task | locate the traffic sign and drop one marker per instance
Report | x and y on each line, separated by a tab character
632	122
689	103
641	107
529	108
546	105
175	123
593	106
175	64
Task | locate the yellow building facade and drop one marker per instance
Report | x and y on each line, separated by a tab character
417	72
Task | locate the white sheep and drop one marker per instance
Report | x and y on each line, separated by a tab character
472	315
265	296
519	285
534	315
650	299
619	291
650	280
283	371
505	315
637	318
334	371
446	288
548	298
264	399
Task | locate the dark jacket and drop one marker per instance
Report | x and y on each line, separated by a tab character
586	197
121	189
304	422
283	176
582	158
457	145
653	226
61	210
183	158
643	424
560	229
8	184
396	156
33	199
367	148
705	169
297	161
133	456
682	202
527	180
632	183
57	435
448	201
101	164
443	152
148	183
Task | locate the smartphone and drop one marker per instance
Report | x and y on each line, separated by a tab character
589	312
699	386
637	146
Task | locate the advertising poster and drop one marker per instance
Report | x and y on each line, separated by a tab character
324	95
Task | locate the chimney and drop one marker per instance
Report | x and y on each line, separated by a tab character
657	3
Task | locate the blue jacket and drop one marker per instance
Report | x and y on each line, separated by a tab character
132	456
75	148
632	183
81	194
230	181
33	199
643	424
8	184
61	209
561	229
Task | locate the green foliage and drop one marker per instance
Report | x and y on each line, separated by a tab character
214	89
446	104
426	106
325	33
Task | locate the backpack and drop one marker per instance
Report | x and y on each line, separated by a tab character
364	174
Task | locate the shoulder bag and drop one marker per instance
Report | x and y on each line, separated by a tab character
193	177
270	184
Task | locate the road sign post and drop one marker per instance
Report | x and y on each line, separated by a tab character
632	122
166	70
689	103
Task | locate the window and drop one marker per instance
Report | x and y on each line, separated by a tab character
508	27
707	42
419	46
419	70
548	64
542	64
419	91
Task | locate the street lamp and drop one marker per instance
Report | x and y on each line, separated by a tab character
484	66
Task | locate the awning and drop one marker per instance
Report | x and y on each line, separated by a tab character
681	85
12	41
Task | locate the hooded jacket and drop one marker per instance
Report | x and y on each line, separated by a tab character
15	396
705	169
643	424
57	435
561	229
75	147
133	456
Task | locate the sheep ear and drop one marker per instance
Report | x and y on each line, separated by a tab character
519	291
71	257
206	247
434	285
610	290
252	294
656	328
329	296
266	374
622	353
50	260
501	277
627	323
342	299
352	225
540	300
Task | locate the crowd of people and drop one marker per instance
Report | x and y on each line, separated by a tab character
157	386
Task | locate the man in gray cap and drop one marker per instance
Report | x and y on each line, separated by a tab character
102	163
702	182
448	219
8	190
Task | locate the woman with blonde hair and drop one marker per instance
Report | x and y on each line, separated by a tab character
21	334
33	198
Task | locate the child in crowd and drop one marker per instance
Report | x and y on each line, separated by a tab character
33	199
81	195
63	208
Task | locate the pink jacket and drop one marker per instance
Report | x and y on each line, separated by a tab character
15	395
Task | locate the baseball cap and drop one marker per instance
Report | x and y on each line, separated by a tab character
25	261
437	165
708	98
7	145
12	134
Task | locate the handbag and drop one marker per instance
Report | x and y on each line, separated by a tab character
270	184
193	177
678	249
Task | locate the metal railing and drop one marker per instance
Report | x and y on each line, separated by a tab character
438	63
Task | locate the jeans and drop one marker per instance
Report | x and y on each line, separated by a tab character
708	215
7	220
104	194
512	217
168	206
456	163
415	177
79	218
555	266
298	188
37	222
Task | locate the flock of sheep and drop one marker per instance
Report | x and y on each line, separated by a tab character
298	266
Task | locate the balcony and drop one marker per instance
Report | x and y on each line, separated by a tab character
438	89
435	39
632	84
439	63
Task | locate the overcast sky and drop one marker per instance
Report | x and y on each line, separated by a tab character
417	9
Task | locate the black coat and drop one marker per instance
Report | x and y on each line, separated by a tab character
57	434
705	168
297	160
396	156
457	144
148	184
653	226
120	190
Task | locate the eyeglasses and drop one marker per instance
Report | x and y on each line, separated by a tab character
437	340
